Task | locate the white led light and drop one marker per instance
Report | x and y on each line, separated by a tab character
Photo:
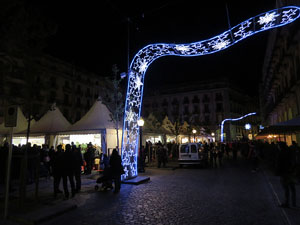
234	119
143	59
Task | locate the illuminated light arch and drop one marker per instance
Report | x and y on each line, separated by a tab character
145	56
235	119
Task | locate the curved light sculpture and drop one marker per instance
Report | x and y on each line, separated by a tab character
145	56
235	119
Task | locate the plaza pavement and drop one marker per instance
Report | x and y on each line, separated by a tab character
229	195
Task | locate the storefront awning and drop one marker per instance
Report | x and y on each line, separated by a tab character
287	127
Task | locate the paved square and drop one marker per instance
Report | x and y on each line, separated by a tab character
229	195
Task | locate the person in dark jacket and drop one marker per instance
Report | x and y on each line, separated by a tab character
286	171
78	163
115	163
68	171
57	167
88	157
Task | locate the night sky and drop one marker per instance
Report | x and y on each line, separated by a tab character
93	35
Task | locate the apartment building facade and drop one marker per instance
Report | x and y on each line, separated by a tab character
45	80
280	86
204	104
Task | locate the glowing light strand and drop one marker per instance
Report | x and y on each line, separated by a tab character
234	119
145	56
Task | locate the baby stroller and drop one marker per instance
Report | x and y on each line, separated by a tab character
105	179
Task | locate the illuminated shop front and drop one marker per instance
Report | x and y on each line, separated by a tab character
38	140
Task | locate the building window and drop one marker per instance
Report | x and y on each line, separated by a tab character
186	110
52	97
196	109
186	100
88	104
219	107
37	80
66	99
219	97
175	101
67	85
206	118
206	108
195	100
78	102
165	103
53	82
205	98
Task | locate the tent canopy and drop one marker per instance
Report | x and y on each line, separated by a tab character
51	123
286	127
96	119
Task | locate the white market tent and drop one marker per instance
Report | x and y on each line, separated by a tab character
97	121
48	126
51	123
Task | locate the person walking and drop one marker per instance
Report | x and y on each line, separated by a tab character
296	151
78	163
115	163
164	157
159	155
141	160
214	156
220	154
286	170
57	169
68	171
88	157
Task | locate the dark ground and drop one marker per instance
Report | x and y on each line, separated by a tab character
229	195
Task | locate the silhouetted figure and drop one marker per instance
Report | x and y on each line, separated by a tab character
286	170
89	157
220	155
68	170
116	167
164	157
141	160
253	156
296	151
57	169
78	163
159	155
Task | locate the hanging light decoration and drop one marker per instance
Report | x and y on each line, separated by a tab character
145	56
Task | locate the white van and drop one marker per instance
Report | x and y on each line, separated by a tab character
191	154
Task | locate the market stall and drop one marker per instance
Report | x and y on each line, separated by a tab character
96	126
44	130
284	131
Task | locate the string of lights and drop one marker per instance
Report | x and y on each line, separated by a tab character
148	54
234	119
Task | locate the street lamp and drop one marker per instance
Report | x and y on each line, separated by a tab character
140	123
194	132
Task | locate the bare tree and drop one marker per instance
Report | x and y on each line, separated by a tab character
114	98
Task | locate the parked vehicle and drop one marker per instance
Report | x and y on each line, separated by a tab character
192	154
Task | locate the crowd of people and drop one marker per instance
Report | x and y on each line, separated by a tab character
67	163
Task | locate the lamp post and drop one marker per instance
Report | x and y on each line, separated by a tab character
194	132
140	123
